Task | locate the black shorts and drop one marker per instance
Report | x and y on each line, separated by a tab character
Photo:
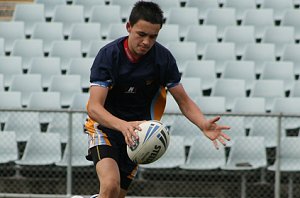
117	151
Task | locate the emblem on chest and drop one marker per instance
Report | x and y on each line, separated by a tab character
131	90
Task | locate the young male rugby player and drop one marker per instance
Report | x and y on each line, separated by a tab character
129	79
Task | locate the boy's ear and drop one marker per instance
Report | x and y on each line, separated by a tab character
128	27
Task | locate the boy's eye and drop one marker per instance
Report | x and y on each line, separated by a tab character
142	34
153	37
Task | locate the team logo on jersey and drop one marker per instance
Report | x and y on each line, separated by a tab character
131	90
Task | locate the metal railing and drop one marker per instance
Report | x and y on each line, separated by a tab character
73	180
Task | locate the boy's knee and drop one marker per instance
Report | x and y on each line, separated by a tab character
110	188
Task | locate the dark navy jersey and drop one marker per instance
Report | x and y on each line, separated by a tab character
137	90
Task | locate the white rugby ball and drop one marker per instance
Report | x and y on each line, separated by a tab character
153	142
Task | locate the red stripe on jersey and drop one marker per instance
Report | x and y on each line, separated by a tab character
128	53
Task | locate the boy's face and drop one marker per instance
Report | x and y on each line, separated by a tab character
142	37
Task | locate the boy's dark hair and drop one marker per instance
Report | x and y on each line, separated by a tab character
148	11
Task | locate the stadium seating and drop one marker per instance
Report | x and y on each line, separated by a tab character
192	86
88	5
295	91
45	101
116	30
126	7
204	156
46	67
205	70
68	15
67	85
203	6
243	156
266	127
220	53
270	90
184	17
288	106
11	31
201	35
244	70
2	51
279	7
230	89
167	5
79	149
240	7
10	65
184	128
291	52
280	36
260	19
26	84
169	33
171	109
105	15
237	127
49	6
59	125
240	36
85	33
222	18
9	99
211	104
27	49
280	70
48	32
30	14
9	151
289	161
41	149
259	53
290	19
81	66
174	156
23	129
1	83
95	47
251	105
66	50
79	101
183	52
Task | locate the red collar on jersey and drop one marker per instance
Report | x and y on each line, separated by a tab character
128	53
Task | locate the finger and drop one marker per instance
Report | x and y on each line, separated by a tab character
127	141
224	135
130	137
137	126
216	144
215	119
134	133
224	127
220	139
140	122
130	141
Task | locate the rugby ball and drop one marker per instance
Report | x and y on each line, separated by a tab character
153	142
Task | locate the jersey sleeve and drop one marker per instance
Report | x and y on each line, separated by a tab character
101	70
173	75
